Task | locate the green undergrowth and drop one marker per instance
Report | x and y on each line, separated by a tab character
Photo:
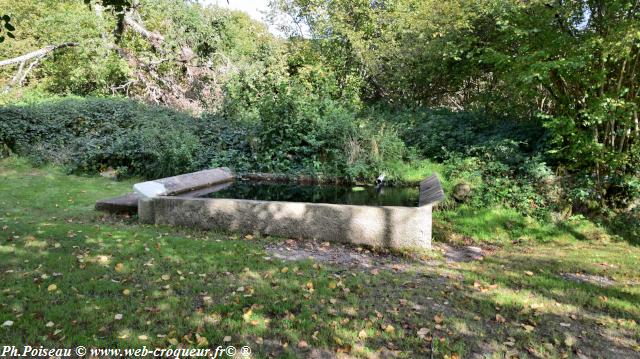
505	226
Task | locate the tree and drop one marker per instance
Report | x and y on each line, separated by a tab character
168	52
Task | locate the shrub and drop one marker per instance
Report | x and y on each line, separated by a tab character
299	132
499	173
436	133
304	123
89	135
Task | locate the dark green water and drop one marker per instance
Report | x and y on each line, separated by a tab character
368	196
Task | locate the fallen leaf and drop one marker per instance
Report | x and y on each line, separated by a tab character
126	292
226	339
143	337
375	271
362	334
389	328
119	267
422	333
569	340
117	316
500	319
247	314
49	325
202	341
284	270
8	323
52	287
536	306
528	328
303	344
528	272
173	341
165	277
438	318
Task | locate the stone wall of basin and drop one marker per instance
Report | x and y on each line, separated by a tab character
392	227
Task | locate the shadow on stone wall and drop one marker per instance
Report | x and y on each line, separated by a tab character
396	227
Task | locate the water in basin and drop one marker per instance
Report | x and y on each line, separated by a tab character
354	195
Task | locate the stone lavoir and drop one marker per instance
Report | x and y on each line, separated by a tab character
218	199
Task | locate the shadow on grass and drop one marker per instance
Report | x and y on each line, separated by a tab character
537	305
625	225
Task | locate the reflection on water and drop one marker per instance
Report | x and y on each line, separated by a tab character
369	196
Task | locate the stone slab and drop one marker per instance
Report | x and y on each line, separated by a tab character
430	191
127	203
183	183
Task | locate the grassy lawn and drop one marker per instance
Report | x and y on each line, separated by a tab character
71	276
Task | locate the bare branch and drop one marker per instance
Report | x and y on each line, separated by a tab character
155	38
38	54
26	73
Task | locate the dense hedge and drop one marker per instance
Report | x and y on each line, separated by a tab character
437	133
91	134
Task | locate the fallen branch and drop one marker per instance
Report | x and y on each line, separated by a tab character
34	57
33	64
38	54
155	38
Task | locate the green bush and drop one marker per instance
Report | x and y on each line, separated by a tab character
436	133
297	132
90	135
303	123
500	174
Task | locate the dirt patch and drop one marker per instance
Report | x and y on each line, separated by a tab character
462	254
352	256
589	278
340	254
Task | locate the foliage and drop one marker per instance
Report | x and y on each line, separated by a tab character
293	136
500	175
572	65
90	135
6	26
302	120
436	133
90	68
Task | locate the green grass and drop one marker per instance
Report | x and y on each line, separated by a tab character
415	171
66	271
505	226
